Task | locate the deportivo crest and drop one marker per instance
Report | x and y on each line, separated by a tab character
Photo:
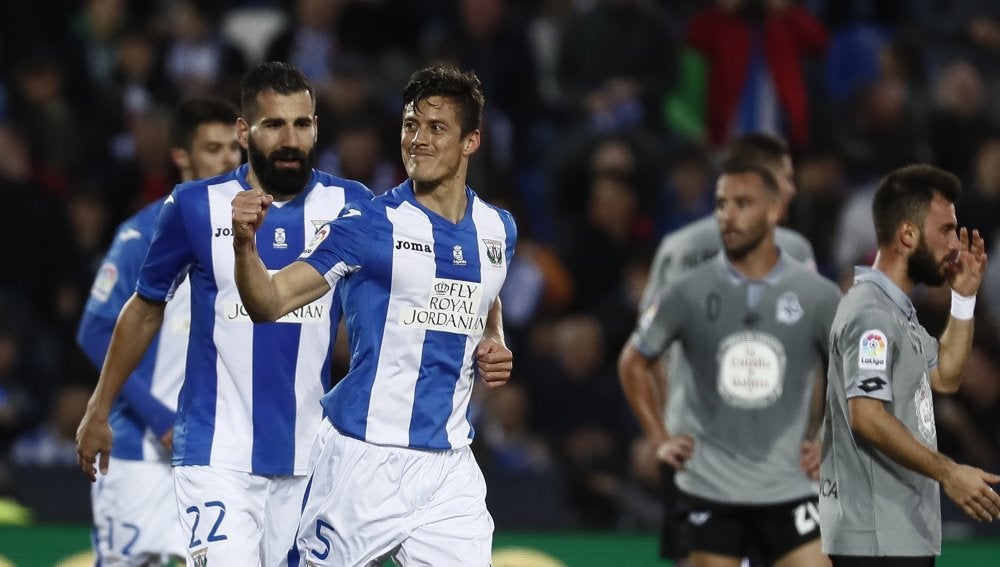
494	252
279	238
873	350
788	309
459	257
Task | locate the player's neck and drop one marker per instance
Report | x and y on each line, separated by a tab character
446	198
757	263
894	267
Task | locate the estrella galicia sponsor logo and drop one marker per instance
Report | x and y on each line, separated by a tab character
873	350
414	245
874	384
494	252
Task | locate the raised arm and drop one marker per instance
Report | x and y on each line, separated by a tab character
267	297
955	343
138	324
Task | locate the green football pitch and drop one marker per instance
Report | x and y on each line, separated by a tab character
68	546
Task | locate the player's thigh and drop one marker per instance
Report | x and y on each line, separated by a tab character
455	529
357	504
713	528
789	528
222	515
282	513
853	561
135	516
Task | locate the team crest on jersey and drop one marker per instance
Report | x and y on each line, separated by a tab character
279	238
317	238
105	281
873	350
200	558
494	252
788	310
318	224
459	257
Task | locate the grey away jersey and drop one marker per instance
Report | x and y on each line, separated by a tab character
753	348
680	252
869	504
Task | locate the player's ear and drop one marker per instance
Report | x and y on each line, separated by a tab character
180	158
908	234
471	144
243	132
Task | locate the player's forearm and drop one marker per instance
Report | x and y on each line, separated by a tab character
871	421
256	286
954	346
638	382
139	322
494	322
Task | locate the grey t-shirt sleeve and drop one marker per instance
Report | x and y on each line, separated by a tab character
866	346
660	322
659	274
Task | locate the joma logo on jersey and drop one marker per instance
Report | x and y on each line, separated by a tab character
413	245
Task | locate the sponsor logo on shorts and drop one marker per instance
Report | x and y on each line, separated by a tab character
699	518
200	558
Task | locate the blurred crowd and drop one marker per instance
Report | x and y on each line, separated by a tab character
605	119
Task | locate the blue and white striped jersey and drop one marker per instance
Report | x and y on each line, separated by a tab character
144	410
249	399
417	289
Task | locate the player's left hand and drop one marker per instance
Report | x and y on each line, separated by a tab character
93	442
810	457
495	362
965	271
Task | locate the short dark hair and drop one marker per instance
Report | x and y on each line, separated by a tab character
906	193
461	87
275	76
193	112
734	166
758	147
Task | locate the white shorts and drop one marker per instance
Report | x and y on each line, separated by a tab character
237	518
135	515
367	502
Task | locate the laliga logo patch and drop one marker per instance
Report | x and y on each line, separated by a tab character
317	238
873	350
105	281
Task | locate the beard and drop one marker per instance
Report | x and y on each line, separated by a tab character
277	180
921	266
740	251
